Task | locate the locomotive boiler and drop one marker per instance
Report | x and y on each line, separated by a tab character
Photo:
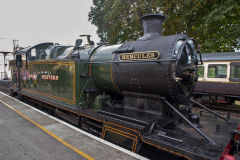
136	94
154	64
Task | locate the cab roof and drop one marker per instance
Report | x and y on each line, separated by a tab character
25	50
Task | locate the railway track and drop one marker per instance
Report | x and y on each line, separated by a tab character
223	110
229	108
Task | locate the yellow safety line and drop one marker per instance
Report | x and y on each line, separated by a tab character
50	133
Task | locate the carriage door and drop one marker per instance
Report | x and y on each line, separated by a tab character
235	79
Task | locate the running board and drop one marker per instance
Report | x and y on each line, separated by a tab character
122	119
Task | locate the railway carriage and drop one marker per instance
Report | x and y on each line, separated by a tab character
219	78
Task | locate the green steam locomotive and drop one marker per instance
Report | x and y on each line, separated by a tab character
136	94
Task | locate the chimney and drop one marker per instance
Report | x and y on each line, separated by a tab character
152	25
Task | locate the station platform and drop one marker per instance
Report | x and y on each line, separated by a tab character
29	134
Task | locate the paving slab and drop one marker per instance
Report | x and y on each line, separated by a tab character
21	139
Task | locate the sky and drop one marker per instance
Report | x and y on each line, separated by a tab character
35	21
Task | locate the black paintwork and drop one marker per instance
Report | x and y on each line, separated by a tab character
155	77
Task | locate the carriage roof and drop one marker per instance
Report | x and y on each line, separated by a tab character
221	56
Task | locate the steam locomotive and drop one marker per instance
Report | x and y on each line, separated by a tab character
136	94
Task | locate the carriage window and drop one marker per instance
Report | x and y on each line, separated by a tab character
200	71
217	71
235	72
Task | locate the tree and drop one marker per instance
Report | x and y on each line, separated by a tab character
215	24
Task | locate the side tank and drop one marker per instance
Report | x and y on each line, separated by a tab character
153	64
101	67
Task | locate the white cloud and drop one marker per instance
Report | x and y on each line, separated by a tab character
34	21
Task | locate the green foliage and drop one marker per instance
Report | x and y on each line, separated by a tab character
215	24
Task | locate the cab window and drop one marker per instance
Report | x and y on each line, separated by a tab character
200	71
217	71
32	54
235	72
